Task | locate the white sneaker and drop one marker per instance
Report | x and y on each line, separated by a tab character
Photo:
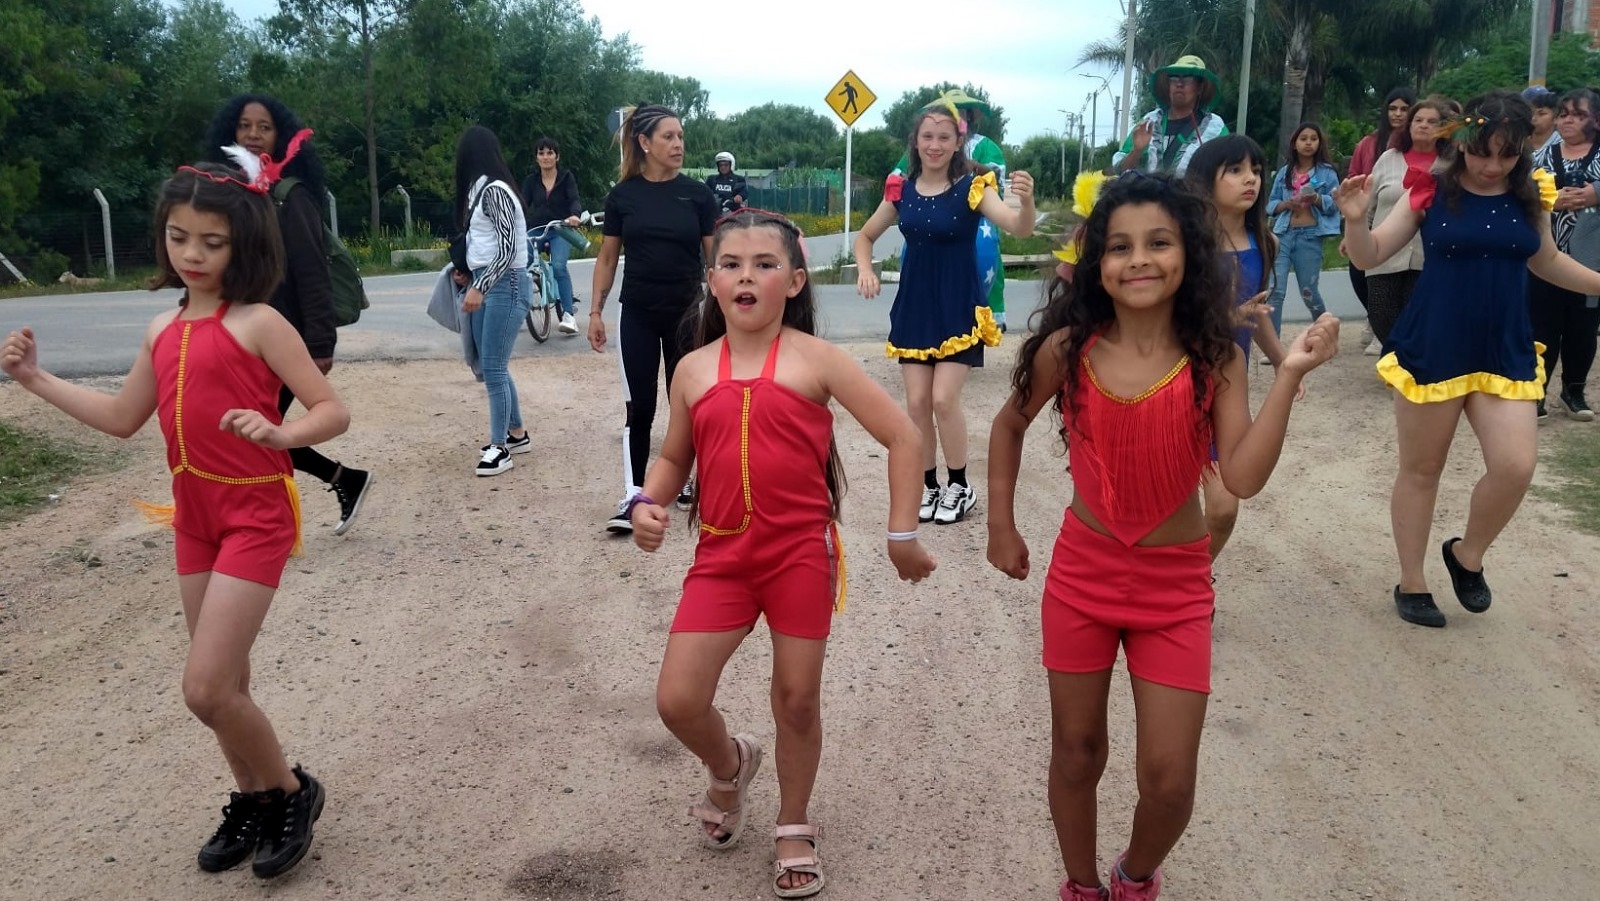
1374	348
1366	335
620	522
930	501
496	460
954	503
567	325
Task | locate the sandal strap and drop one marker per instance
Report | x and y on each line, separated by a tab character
808	832
812	865
707	812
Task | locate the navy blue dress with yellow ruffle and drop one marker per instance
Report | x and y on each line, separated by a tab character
940	308
1466	328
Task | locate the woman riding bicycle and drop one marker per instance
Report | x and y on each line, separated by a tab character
549	194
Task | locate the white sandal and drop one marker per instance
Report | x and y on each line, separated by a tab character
708	812
810	863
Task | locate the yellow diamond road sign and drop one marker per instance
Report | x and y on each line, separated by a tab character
850	98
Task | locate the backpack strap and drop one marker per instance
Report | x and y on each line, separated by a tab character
280	191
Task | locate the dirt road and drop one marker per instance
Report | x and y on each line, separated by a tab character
471	672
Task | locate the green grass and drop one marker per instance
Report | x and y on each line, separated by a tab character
133	280
32	467
1573	456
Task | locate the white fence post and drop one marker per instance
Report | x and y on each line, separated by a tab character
333	213
105	228
401	190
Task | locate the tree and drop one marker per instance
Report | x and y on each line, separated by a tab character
1504	64
901	115
774	135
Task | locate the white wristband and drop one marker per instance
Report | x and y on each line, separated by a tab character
903	536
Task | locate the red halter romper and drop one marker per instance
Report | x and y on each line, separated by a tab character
768	543
236	510
1135	462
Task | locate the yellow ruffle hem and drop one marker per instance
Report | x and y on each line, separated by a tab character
1396	377
979	183
986	330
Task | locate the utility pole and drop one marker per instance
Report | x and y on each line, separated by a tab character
1244	67
1539	45
1123	123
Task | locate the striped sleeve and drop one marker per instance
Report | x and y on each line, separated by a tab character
501	211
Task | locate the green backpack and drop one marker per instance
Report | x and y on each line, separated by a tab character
349	297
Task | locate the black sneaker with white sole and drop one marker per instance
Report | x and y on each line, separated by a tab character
686	496
1577	407
1540	412
235	840
523	445
286	822
930	502
350	486
496	460
620	523
954	502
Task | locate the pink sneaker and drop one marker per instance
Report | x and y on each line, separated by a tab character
1072	891
1127	890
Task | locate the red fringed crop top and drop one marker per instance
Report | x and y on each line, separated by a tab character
1136	460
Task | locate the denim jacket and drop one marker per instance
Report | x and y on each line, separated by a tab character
1323	179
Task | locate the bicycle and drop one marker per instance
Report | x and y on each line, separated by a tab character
547	296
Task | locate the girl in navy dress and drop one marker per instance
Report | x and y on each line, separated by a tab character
1464	344
940	321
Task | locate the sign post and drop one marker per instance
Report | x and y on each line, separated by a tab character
848	99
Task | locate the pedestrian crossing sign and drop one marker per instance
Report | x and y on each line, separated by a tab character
850	98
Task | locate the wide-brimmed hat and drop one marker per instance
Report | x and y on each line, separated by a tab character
957	99
1186	65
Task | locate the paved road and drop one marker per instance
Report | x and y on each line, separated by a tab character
98	334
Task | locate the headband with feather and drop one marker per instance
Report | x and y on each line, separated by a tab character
261	171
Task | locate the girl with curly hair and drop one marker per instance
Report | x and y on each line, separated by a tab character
1138	354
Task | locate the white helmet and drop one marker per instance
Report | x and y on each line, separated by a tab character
725	157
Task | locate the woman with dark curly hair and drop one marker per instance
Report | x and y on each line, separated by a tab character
1138	355
263	125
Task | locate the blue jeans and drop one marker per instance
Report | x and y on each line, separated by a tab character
560	252
494	329
1301	247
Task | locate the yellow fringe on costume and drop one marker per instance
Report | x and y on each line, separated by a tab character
163	514
836	546
985	330
1547	188
979	183
1396	376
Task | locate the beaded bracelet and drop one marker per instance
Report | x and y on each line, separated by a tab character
903	536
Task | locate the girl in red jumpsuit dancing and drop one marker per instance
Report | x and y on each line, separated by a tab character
211	370
752	404
1139	357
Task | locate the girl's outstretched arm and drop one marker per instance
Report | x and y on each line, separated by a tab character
119	414
1008	552
883	217
667	476
1248	451
279	345
1559	269
883	418
1018	221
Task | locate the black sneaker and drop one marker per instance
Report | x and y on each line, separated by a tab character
1471	589
1418	608
1542	413
621	523
686	496
1577	408
286	826
235	840
496	460
350	486
523	445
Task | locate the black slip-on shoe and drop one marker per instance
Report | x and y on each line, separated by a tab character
1471	590
1418	608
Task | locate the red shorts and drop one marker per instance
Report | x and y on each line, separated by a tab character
1155	601
244	531
736	579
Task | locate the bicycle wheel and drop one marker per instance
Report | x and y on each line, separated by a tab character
539	322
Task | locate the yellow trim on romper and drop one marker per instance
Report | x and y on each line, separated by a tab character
744	473
986	330
1396	376
163	514
836	549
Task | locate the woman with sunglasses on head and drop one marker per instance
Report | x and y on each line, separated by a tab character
1465	345
664	220
1565	321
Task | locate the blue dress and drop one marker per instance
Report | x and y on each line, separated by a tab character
1248	272
1466	328
940	308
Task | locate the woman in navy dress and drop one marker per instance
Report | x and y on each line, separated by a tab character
1465	344
940	321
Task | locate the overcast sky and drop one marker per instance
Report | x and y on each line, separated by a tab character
749	53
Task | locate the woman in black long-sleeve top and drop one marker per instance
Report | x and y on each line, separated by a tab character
262	124
549	194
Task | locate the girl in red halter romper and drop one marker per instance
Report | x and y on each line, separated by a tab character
752	404
211	370
1139	357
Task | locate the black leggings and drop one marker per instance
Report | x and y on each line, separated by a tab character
1358	281
646	337
306	459
1565	324
1387	295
